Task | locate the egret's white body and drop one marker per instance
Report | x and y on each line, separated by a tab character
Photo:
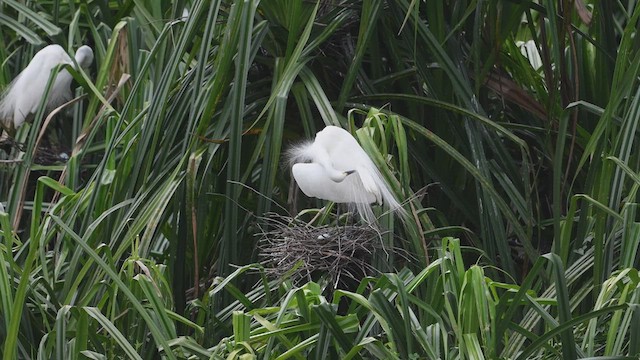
20	101
334	167
530	51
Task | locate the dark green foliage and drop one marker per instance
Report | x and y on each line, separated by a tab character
137	246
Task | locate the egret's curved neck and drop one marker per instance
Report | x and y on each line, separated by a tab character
84	56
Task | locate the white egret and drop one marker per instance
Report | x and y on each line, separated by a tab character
334	167
20	101
530	51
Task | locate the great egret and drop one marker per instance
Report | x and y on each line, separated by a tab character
530	51
334	167
20	101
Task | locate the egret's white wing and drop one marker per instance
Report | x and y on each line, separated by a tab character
314	181
25	92
61	90
346	154
7	106
33	79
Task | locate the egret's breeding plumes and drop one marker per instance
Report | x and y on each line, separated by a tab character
20	101
334	167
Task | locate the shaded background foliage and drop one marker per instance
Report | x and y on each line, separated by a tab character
176	154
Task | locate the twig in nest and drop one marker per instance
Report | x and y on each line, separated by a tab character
300	250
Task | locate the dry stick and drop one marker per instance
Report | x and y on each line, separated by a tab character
317	215
423	240
83	136
25	179
14	161
18	215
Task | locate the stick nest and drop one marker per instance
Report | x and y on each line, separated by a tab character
45	155
292	248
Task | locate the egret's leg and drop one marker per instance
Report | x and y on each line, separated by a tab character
341	231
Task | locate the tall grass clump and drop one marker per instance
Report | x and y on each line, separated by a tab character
518	169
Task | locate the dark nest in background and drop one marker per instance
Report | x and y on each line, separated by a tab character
294	249
46	154
50	156
7	144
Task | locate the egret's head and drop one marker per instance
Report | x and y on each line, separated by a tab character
84	56
338	176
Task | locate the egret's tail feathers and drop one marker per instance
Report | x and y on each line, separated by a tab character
388	199
344	175
366	213
376	191
368	176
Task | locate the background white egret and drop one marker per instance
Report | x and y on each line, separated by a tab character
530	50
334	167
20	101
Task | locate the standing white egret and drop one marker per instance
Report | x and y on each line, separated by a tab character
20	101
334	167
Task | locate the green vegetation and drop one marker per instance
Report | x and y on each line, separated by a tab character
521	183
